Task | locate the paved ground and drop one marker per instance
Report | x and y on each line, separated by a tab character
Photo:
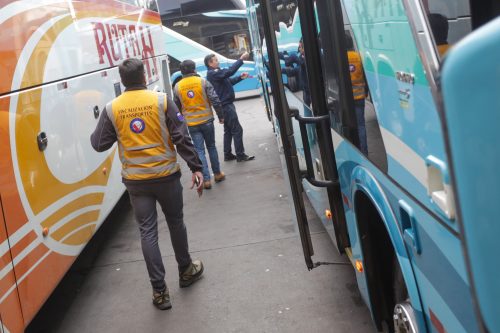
255	280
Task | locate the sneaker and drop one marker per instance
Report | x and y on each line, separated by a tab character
229	157
219	177
207	184
191	274
161	299
244	158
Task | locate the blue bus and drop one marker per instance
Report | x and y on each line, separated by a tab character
415	210
184	48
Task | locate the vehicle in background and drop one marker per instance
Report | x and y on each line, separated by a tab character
416	213
59	69
182	48
219	25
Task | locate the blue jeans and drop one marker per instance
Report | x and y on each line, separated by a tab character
201	135
232	130
359	106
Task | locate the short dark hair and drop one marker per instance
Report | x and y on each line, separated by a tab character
208	58
131	72
188	67
439	27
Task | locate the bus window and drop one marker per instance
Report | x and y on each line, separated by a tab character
370	141
450	21
174	64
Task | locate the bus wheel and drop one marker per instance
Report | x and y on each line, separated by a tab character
403	314
404	318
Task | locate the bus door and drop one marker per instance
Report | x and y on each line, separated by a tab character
165	76
10	307
300	128
472	115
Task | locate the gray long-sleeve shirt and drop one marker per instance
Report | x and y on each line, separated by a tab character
211	94
104	135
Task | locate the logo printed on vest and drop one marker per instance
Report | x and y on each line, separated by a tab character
352	68
180	116
190	94
137	125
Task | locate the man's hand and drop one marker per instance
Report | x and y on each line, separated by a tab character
244	75
245	56
221	121
197	180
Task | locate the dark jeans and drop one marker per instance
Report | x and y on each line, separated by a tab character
359	106
143	197
202	135
232	130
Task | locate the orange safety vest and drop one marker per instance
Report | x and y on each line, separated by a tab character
442	49
144	143
357	78
196	107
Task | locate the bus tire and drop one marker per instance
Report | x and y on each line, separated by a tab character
404	314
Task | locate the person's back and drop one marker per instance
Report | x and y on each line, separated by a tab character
357	76
130	112
358	90
195	97
146	125
196	106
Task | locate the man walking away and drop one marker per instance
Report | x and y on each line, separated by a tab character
358	90
223	84
146	125
195	97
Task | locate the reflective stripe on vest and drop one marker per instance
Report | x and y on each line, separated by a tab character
357	78
196	106
144	144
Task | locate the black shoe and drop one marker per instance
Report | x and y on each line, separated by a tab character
229	157
244	158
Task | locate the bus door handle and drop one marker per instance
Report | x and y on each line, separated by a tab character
318	122
439	189
409	226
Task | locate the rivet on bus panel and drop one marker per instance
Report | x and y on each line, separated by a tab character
328	214
104	170
45	231
359	266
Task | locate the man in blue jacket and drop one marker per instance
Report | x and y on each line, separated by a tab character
223	82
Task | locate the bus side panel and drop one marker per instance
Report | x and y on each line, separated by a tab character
67	189
440	279
405	109
78	33
10	309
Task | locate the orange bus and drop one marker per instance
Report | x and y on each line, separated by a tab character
58	61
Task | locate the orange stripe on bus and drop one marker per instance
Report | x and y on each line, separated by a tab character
39	284
90	199
23	243
12	206
24	265
74	224
12	317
